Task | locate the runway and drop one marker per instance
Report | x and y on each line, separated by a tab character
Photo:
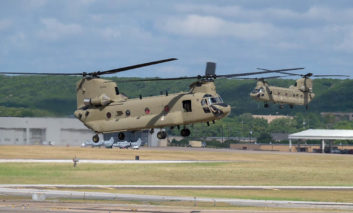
45	194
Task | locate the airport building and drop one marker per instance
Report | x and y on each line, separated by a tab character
328	138
54	131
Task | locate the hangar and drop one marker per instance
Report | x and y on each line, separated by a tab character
321	134
54	131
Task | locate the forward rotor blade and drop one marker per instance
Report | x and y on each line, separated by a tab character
161	79
121	69
37	73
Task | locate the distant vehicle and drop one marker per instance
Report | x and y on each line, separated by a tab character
122	144
106	144
137	144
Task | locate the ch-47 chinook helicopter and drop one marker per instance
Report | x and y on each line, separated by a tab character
104	109
301	93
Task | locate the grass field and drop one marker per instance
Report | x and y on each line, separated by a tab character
241	168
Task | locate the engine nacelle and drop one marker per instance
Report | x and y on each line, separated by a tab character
102	100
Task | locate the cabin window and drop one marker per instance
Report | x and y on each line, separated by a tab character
117	91
187	105
109	115
127	113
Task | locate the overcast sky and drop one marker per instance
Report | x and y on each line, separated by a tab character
90	35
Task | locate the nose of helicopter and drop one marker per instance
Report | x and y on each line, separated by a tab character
254	95
221	110
226	110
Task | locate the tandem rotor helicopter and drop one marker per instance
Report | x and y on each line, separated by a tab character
104	109
301	93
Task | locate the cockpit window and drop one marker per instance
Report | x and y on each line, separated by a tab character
116	91
216	100
211	100
259	90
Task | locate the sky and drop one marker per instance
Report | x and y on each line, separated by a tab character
90	35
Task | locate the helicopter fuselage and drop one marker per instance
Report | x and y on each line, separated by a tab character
294	95
200	104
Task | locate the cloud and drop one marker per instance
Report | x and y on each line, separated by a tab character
210	26
54	30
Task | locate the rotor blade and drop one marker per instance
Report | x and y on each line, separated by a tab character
256	73
161	79
331	76
37	73
121	69
270	77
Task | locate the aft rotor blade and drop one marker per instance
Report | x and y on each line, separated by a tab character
331	76
257	73
121	69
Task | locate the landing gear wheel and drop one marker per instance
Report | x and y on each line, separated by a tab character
306	107
266	105
95	138
185	132
121	136
291	106
161	135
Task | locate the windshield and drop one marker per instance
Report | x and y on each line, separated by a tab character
216	100
259	90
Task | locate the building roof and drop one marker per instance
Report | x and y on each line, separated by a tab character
323	134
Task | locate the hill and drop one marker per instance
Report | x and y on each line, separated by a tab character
55	95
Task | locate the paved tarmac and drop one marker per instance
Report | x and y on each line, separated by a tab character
39	194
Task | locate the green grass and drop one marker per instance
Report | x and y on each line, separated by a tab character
237	173
241	168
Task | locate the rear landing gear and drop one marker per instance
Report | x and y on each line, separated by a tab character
161	135
266	105
95	138
185	132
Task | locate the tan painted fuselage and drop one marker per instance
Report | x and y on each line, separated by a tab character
300	94
103	109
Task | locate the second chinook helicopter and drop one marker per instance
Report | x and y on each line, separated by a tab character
104	109
301	93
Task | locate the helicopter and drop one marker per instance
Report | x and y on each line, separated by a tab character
301	93
104	109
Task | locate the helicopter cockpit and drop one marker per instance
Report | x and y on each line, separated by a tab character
258	90
211	100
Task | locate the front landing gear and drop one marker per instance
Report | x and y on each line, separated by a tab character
95	138
185	132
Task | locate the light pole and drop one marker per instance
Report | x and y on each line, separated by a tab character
250	133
